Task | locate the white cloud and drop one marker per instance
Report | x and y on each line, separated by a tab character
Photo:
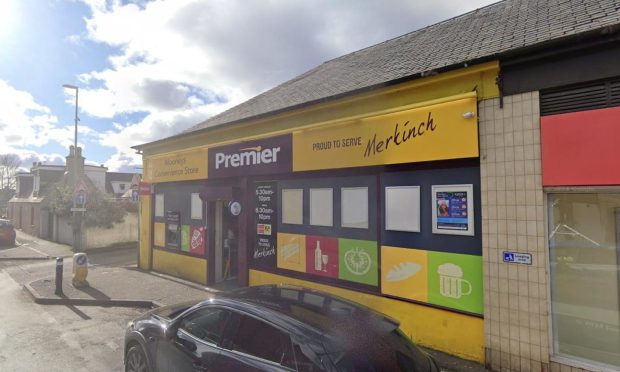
182	61
27	125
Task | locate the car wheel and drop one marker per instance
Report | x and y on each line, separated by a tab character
136	360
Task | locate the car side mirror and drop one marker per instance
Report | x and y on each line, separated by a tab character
171	331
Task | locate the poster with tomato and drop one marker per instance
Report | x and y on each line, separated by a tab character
358	261
197	240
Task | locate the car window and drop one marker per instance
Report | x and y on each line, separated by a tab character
257	338
206	324
303	360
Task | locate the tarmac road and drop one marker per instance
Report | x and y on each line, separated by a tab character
58	338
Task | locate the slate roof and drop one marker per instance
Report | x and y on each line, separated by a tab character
482	34
116	177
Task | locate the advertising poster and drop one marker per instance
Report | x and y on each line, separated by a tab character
159	234
265	225
185	238
357	261
404	273
455	281
173	230
322	256
453	211
292	252
197	240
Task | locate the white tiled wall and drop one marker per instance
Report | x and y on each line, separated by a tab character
516	321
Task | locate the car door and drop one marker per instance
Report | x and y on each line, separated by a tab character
194	344
251	344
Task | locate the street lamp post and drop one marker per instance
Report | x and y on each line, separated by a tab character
77	221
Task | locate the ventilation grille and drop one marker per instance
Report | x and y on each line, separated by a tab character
588	96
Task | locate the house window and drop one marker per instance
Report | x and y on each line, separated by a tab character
122	186
584	249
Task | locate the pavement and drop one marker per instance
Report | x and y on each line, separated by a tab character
126	286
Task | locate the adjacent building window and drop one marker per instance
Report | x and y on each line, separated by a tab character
196	208
402	208
159	205
322	207
293	206
354	204
584	248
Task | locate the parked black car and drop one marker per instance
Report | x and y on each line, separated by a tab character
270	328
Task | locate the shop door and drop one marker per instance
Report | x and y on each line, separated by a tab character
226	246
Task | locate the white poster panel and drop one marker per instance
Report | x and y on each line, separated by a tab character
453	209
402	208
322	207
354	206
293	206
159	205
196	209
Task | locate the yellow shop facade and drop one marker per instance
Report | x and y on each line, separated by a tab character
374	197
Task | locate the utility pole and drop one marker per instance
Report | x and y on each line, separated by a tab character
77	217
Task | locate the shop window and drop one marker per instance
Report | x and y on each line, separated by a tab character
159	205
354	206
402	208
584	246
322	207
292	206
196	207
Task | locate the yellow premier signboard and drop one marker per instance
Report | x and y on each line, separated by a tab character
446	129
177	166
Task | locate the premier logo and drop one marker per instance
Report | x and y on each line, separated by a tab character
247	156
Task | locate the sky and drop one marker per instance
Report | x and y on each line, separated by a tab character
146	70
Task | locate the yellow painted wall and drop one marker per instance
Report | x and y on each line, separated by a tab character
145	232
180	266
479	77
450	332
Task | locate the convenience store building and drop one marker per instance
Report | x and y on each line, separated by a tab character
462	179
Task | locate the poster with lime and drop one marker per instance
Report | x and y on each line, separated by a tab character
455	281
358	261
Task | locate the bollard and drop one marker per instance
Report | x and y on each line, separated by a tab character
80	270
59	267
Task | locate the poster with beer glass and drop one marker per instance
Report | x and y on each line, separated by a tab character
453	209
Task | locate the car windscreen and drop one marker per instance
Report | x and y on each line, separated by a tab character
390	352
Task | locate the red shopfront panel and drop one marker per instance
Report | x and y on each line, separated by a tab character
581	148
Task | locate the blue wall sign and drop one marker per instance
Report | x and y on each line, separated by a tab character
517	257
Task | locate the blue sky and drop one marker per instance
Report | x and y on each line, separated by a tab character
150	69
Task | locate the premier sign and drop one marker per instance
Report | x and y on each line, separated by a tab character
248	156
264	156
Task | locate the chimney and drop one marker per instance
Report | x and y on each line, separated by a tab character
70	168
